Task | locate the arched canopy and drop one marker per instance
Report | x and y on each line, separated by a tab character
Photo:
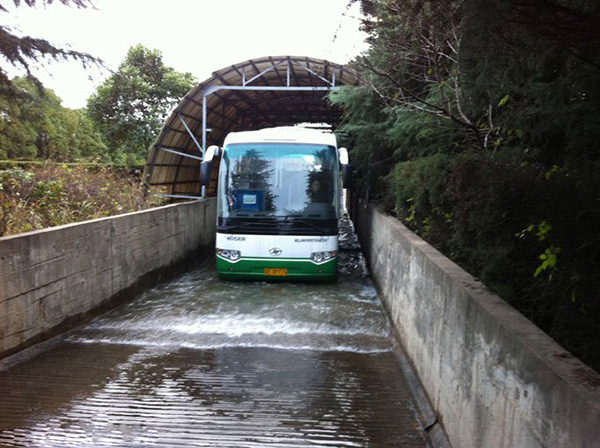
265	92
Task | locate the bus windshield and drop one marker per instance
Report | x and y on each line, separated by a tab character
279	180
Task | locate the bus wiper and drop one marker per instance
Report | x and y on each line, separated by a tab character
237	226
309	224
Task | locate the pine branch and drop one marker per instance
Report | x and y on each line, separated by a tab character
431	108
21	51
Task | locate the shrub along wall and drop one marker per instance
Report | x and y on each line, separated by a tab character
53	279
530	234
483	118
494	379
36	196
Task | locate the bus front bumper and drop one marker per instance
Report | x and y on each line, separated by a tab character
277	270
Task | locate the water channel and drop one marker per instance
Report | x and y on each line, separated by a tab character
205	363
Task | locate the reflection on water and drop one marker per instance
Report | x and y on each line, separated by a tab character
201	362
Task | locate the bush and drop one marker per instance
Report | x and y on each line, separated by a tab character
51	195
529	233
416	190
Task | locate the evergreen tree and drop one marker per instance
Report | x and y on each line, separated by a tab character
538	63
477	125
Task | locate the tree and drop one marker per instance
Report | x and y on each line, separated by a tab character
85	141
17	135
410	104
23	50
479	117
130	107
539	63
365	128
413	62
38	127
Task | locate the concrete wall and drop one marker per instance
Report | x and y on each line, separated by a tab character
55	278
494	378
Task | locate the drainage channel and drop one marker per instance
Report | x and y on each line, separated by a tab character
205	363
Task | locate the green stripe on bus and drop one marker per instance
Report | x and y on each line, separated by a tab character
255	269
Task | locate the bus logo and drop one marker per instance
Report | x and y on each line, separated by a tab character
275	251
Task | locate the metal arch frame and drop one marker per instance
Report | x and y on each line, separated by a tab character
212	89
286	83
245	86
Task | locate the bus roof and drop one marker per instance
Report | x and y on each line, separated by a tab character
288	134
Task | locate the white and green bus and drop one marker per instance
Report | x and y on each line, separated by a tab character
278	204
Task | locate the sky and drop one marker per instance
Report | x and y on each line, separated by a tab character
196	36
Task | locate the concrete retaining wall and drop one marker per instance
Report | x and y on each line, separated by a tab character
494	378
55	278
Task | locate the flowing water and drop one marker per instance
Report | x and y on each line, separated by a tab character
200	362
198	311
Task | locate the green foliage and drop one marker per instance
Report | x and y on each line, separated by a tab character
417	187
17	133
365	134
130	107
51	195
477	209
484	114
539	61
38	127
419	134
549	259
413	61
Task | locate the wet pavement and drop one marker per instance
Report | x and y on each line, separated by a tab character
204	363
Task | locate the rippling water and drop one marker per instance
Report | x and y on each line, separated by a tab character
205	363
199	311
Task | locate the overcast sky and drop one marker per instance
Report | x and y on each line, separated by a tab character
196	36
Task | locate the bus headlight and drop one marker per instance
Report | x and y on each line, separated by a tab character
322	257
228	254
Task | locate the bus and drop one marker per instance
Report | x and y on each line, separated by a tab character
278	204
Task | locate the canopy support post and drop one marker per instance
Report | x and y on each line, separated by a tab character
203	135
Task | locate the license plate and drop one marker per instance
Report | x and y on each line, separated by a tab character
276	271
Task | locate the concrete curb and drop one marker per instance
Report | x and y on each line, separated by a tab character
493	377
54	279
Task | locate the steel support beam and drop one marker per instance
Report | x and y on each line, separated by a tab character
191	134
177	196
179	153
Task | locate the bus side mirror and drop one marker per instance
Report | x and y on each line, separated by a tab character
346	169
206	165
205	171
346	176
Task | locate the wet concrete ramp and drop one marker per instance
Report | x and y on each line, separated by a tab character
203	363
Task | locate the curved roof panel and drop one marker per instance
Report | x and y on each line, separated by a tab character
265	92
